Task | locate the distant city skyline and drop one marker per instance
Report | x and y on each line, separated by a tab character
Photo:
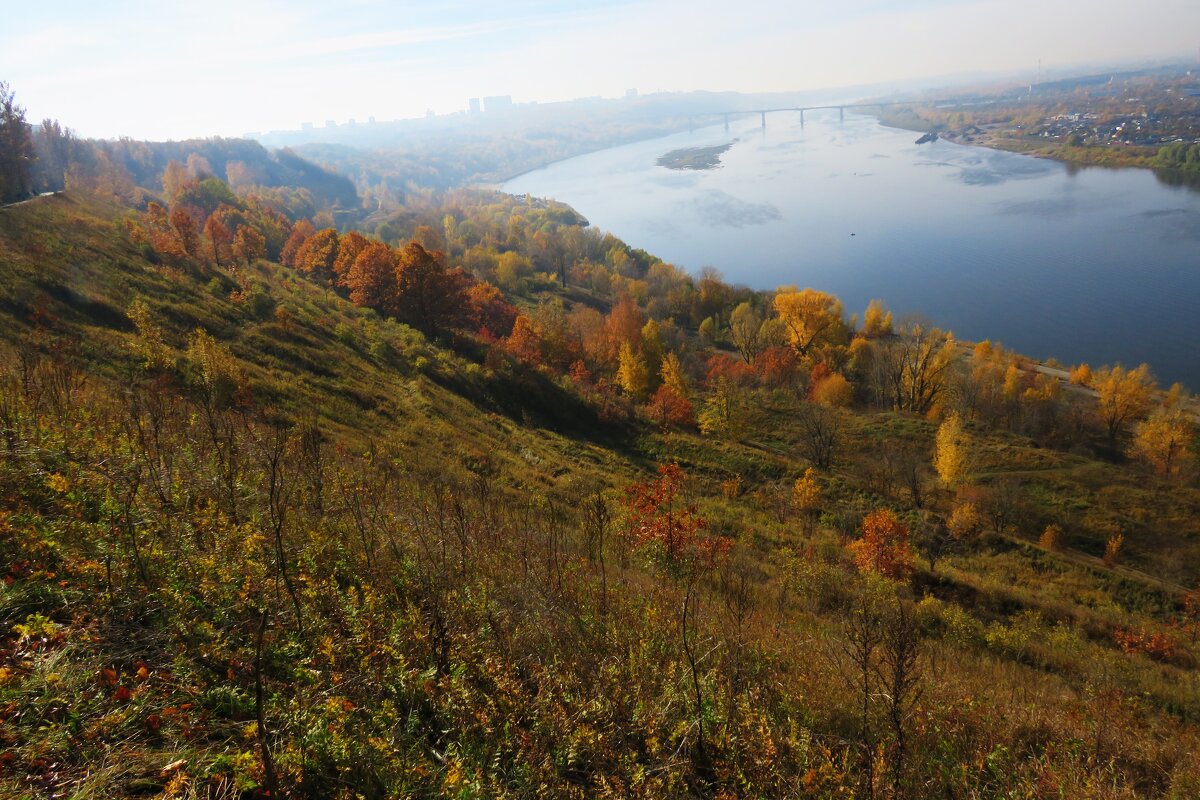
157	71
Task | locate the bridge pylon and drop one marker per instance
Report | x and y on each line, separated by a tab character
764	120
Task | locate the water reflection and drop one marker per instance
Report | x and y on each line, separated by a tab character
1084	264
1178	178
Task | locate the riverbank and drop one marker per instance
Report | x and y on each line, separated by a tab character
985	233
998	136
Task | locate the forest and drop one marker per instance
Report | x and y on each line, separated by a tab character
458	496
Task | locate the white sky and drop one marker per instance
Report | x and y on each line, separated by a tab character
174	69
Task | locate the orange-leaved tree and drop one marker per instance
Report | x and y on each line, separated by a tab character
249	244
429	297
317	255
372	278
883	547
301	231
657	517
524	342
668	407
349	246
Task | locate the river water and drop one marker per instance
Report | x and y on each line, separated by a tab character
1093	264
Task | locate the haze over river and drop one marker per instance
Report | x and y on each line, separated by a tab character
1093	264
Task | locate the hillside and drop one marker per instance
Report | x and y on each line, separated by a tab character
263	538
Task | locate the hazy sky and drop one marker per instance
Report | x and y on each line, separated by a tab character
173	69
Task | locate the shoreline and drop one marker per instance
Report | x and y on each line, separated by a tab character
1131	156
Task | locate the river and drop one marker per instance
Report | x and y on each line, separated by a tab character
1080	264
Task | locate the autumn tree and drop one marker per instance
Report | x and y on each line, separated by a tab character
490	313
884	546
301	231
964	521
1122	396
1112	550
560	343
670	404
673	376
912	370
658	518
185	232
652	350
429	296
877	321
724	412
16	148
156	229
951	459
812	318
249	244
806	499
832	390
632	374
622	326
778	366
372	278
219	237
524	342
668	407
722	366
1164	441
317	255
55	147
349	246
745	331
174	178
149	345
1051	538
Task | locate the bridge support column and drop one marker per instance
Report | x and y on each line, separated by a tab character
841	114
764	120
802	118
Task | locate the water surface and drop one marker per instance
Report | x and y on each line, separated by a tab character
1095	265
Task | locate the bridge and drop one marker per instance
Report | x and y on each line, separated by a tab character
762	112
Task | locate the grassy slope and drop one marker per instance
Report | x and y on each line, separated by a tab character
364	377
361	377
68	258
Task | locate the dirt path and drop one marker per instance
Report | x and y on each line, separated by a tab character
29	199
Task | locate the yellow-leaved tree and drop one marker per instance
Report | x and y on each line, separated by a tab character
1164	442
951	458
632	374
877	321
812	318
806	498
1123	395
672	375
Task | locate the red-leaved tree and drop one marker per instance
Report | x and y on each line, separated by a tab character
883	547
